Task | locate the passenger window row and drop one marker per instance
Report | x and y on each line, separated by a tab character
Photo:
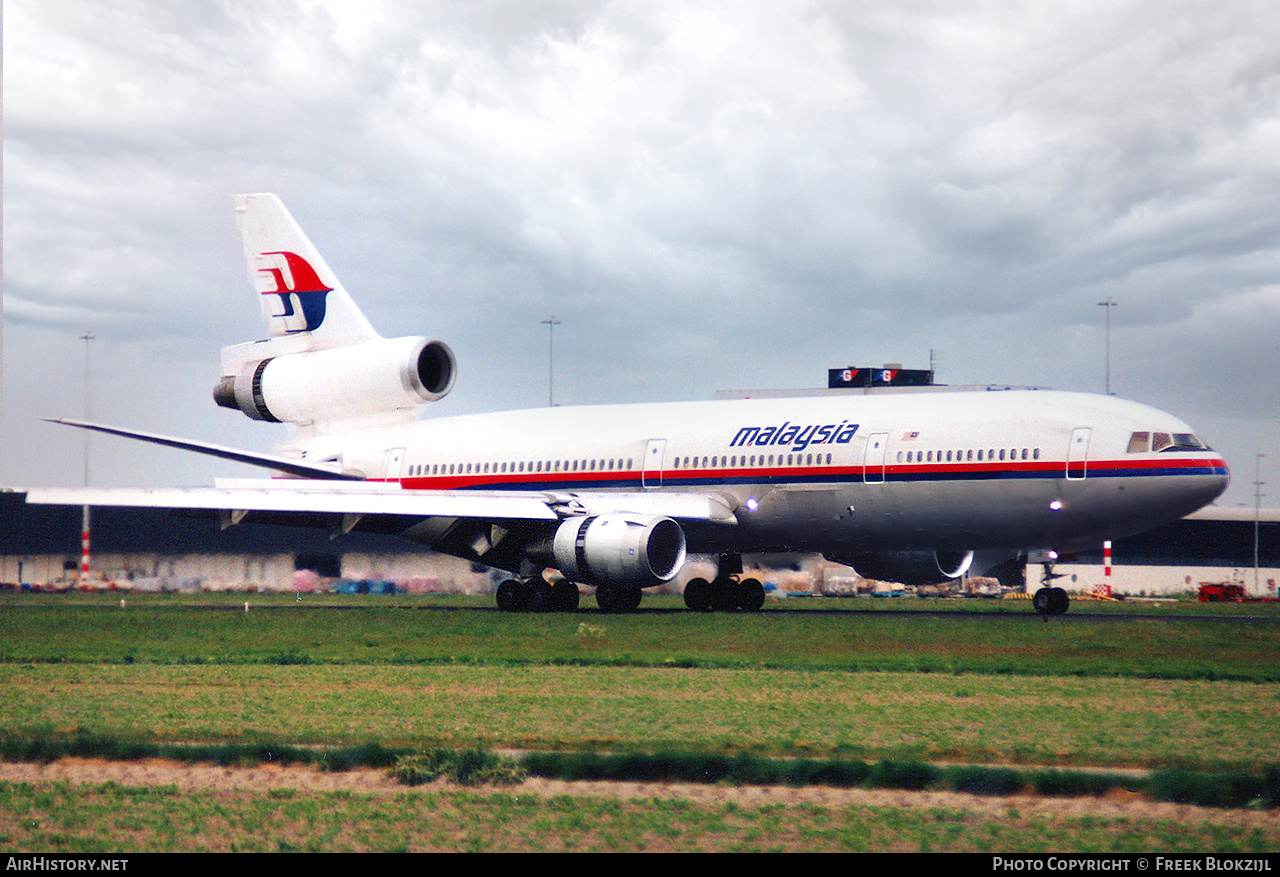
522	466
969	455
733	461
615	464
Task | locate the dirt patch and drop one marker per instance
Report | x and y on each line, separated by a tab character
260	778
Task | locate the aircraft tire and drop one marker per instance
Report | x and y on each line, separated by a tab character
539	597
724	596
1059	602
750	595
1042	601
697	595
607	598
618	598
510	596
630	598
564	596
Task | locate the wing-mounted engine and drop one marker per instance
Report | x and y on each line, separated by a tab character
373	377
911	567
619	549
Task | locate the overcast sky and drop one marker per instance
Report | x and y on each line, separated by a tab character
707	196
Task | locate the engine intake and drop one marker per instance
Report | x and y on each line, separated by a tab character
371	377
619	549
913	567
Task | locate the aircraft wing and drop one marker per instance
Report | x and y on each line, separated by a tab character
494	527
294	496
325	489
288	465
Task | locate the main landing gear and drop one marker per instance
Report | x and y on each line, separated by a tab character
1050	600
537	595
618	598
729	591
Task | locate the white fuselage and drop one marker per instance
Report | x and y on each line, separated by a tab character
836	474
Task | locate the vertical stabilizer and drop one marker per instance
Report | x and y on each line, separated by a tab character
298	293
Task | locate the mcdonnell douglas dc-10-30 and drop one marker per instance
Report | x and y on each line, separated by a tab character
902	487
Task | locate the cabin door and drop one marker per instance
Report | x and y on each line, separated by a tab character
1078	453
653	454
395	460
873	462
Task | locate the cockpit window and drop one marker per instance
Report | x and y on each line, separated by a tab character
1185	441
1142	442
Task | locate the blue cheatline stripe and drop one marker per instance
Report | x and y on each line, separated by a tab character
835	475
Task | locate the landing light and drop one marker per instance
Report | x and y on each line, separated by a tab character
752	505
1056	505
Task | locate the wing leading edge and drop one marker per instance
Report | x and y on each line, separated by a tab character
301	496
288	465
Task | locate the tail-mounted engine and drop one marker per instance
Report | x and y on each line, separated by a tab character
375	376
619	549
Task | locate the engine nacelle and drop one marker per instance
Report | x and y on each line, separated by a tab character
912	567
381	375
619	549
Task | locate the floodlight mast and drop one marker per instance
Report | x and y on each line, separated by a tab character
84	518
551	323
1108	304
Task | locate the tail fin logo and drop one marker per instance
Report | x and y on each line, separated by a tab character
308	290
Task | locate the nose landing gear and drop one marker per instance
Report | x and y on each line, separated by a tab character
1050	600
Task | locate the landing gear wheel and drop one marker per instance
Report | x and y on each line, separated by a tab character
728	592
724	595
564	596
618	598
1050	601
697	595
1058	601
538	596
1040	601
750	595
511	596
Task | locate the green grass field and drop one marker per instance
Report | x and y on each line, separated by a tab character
118	820
426	630
1123	691
1108	722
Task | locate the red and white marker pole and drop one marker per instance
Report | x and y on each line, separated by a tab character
1106	568
84	548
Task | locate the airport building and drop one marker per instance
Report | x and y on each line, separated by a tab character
1213	546
159	550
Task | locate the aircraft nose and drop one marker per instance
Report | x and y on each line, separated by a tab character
1213	483
1222	478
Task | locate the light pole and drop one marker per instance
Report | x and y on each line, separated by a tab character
1108	304
84	522
86	338
1257	513
551	323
